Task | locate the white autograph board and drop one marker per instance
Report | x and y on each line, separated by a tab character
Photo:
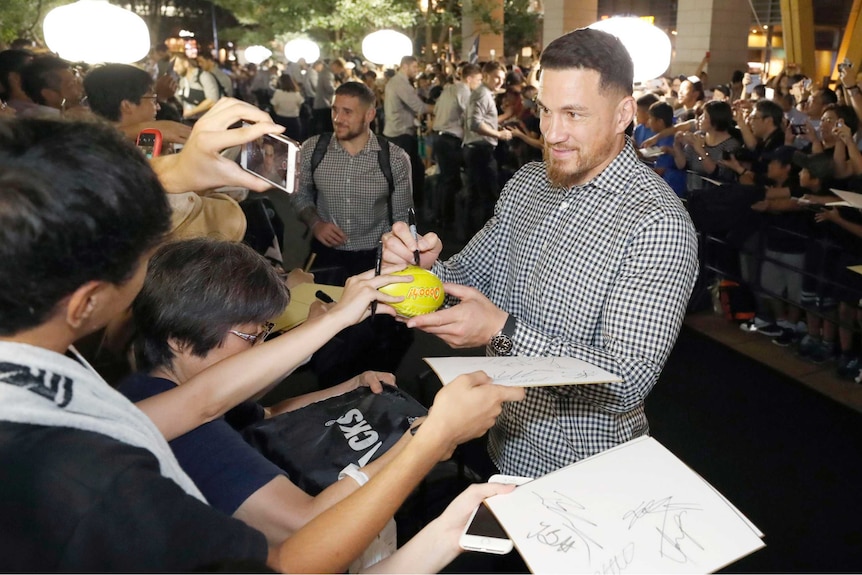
523	370
633	509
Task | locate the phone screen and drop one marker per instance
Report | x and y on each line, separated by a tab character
274	159
147	144
484	524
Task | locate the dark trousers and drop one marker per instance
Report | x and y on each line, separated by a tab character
449	158
482	186
379	344
293	127
410	144
321	121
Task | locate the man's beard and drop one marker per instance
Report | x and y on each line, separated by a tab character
567	176
558	175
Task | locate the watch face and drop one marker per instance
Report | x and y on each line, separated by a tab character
502	344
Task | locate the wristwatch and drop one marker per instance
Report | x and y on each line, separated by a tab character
501	342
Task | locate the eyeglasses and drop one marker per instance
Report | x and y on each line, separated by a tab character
253	339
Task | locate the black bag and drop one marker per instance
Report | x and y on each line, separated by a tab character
314	443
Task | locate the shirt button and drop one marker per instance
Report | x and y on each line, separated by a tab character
347	200
545	247
564	206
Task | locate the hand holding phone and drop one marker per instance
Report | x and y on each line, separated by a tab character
484	533
274	159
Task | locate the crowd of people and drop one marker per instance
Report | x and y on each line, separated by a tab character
567	184
757	163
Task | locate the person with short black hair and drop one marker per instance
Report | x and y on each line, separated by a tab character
53	85
660	116
126	96
762	131
121	93
588	255
207	63
642	130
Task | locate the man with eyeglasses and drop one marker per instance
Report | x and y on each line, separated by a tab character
126	96
762	132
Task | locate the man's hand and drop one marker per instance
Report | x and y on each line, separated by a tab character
465	409
329	234
504	135
200	165
360	290
398	246
471	323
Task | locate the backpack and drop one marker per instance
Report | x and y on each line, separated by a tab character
382	160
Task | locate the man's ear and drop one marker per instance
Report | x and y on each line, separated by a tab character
84	304
126	108
626	111
370	113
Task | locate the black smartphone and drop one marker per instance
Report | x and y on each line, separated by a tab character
797	129
725	154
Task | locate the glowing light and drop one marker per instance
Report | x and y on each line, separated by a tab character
94	31
648	46
257	54
302	49
386	47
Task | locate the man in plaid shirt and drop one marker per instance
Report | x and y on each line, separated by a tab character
589	255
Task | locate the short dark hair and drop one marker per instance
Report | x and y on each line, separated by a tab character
78	203
41	73
408	59
845	113
491	67
662	111
590	49
769	109
196	291
720	115
647	100
357	90
828	96
107	86
468	70
11	61
206	55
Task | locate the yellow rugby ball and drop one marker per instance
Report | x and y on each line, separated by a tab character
423	295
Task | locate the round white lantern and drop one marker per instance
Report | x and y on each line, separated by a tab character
94	31
386	47
257	54
301	49
648	46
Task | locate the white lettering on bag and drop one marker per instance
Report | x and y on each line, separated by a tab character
358	433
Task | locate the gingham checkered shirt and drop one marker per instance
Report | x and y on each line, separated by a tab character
600	272
352	191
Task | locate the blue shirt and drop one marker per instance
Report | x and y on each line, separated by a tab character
671	174
641	133
224	467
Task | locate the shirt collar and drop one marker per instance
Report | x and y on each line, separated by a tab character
615	174
372	145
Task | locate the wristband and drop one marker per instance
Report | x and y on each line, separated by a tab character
352	470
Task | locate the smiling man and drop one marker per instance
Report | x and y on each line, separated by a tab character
588	255
353	185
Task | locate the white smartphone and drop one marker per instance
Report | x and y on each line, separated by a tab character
273	158
484	533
